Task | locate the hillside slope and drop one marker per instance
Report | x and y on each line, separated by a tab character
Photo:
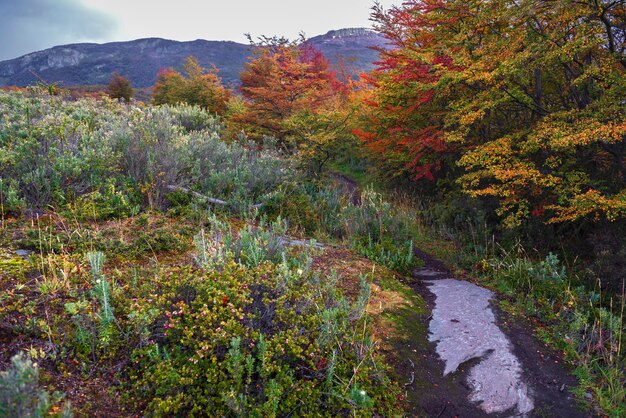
140	60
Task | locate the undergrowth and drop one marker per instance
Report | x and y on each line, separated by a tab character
164	254
585	322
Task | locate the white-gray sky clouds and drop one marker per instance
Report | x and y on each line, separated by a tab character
30	25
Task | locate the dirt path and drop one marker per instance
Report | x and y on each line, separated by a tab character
350	186
542	376
534	377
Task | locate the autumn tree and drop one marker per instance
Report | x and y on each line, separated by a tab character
280	81
403	129
197	86
292	94
324	132
527	96
120	88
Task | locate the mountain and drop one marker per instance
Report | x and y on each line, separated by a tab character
351	48
140	60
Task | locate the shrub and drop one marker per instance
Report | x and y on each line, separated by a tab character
110	202
9	198
254	333
195	118
20	393
395	255
380	233
250	247
250	343
101	153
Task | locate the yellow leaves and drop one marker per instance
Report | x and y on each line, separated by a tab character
585	132
513	211
470	118
199	87
528	96
554	162
489	155
591	203
499	169
453	136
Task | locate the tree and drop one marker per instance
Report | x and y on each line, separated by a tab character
518	101
292	94
404	128
322	133
197	86
120	88
280	81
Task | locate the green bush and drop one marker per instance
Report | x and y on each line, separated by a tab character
380	232
20	393
395	255
250	247
109	203
253	332
194	118
249	342
9	198
102	291
91	153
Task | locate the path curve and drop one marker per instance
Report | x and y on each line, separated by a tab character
463	326
488	364
508	373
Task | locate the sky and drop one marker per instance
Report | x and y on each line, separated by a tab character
32	25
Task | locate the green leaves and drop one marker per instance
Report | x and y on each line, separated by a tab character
197	87
21	394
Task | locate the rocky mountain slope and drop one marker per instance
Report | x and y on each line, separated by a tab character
140	60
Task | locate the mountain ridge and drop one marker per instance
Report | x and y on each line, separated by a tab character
140	60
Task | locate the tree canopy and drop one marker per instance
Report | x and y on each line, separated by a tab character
120	88
293	95
521	101
197	86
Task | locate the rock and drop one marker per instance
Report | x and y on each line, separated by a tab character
24	253
429	274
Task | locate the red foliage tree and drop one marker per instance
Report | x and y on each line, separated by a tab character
120	88
404	128
282	80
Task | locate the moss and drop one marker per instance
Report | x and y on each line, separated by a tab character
404	329
11	265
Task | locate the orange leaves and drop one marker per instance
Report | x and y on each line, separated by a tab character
363	135
283	80
292	95
526	99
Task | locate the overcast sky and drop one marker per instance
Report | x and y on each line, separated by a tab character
32	25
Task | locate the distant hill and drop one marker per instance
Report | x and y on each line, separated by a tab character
140	60
350	47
